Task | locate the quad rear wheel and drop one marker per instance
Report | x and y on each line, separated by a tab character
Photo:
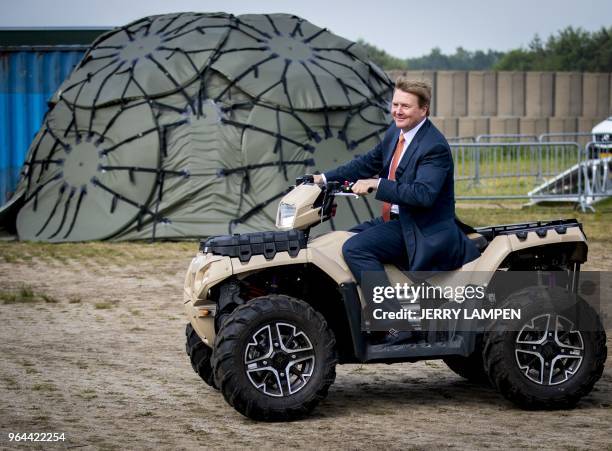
470	367
552	356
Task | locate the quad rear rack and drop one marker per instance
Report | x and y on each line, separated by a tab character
541	228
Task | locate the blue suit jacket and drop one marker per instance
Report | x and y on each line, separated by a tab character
424	191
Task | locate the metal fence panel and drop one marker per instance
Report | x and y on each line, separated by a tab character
540	172
506	138
596	173
523	170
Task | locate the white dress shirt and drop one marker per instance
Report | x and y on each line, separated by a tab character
408	137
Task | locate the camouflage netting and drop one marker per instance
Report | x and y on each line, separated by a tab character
190	125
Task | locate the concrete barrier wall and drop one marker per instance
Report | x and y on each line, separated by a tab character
504	125
513	102
595	95
473	126
451	98
568	94
482	93
540	91
449	126
563	125
533	125
511	93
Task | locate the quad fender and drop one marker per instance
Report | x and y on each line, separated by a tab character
259	262
205	270
325	252
503	245
570	246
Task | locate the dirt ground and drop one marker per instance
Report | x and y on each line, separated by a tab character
97	352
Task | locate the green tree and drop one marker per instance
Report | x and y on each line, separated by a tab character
569	50
382	58
460	60
518	59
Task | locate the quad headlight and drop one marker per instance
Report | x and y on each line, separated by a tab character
286	216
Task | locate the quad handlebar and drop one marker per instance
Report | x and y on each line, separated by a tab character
335	188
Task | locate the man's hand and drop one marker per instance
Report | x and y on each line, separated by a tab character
365	186
318	179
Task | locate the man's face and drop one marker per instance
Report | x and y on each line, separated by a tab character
406	111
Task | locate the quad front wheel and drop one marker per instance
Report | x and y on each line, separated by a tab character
199	354
274	358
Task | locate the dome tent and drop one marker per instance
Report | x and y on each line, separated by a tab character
195	124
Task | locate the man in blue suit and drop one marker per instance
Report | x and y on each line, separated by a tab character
411	171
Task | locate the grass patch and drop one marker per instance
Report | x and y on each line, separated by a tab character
104	305
87	394
93	252
40	419
49	299
44	387
10	382
72	420
26	295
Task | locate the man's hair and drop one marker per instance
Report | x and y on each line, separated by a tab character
418	88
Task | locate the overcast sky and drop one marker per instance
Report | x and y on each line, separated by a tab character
403	28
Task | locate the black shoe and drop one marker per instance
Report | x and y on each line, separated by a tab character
394	338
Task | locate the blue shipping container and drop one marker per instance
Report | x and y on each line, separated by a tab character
28	78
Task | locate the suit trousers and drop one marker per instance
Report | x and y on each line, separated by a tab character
376	243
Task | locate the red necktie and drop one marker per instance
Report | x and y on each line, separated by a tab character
386	208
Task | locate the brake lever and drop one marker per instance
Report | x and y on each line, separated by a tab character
348	188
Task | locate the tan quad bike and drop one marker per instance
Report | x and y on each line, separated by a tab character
272	313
